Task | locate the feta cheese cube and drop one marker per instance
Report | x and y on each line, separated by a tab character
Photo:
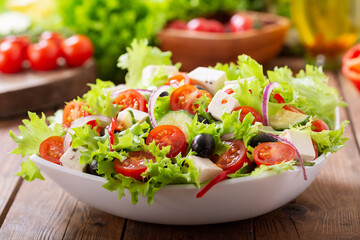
222	102
71	159
303	143
150	71
207	169
211	79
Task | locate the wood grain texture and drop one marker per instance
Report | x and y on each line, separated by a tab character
32	91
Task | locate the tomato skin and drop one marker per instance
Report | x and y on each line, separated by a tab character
319	125
177	24
245	110
176	79
43	55
56	37
73	111
272	153
351	70
168	135
11	57
184	97
133	166
240	22
205	25
23	40
131	98
51	149
234	158
77	49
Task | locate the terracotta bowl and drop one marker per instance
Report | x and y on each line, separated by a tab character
195	49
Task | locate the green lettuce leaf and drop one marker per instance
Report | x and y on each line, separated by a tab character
138	56
34	131
29	171
273	169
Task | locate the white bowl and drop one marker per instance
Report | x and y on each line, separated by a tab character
230	200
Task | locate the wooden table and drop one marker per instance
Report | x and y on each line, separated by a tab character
328	209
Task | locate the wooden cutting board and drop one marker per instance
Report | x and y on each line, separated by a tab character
34	91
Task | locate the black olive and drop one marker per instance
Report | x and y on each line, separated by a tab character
261	138
106	129
199	87
164	94
203	144
92	168
202	119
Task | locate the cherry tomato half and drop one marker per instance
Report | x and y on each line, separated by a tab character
176	79
51	149
11	57
182	97
168	135
43	55
245	110
198	94
234	158
319	125
271	153
73	111
240	22
77	49
131	98
133	166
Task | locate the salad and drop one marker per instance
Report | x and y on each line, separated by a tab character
169	127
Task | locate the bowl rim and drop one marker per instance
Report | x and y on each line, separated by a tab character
102	180
279	23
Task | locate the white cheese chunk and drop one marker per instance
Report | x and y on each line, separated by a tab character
150	71
207	169
130	116
222	102
303	143
211	79
71	159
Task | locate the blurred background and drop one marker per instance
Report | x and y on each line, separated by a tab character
112	24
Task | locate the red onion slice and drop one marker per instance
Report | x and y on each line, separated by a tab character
265	101
297	152
80	122
141	91
152	100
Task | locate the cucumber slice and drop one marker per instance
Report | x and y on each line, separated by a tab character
126	118
284	118
178	119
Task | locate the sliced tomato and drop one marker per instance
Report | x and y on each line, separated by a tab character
315	149
229	91
73	111
111	130
245	110
133	166
178	79
196	95
182	98
272	153
231	161
234	158
131	98
168	135
51	149
319	125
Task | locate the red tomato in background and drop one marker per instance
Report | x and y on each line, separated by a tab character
177	24
24	40
168	135
73	111
240	22
351	65
245	110
51	149
271	153
11	57
43	55
205	25
133	166
56	37
131	98
77	49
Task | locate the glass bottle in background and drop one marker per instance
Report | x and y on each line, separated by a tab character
327	28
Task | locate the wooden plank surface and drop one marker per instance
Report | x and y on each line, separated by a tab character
328	209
